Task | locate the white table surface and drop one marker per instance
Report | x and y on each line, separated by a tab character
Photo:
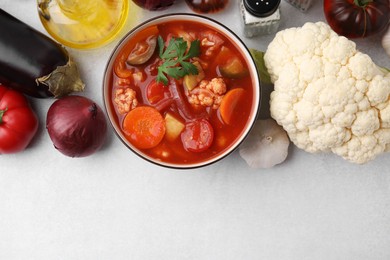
113	205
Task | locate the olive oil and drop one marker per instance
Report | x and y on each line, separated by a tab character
83	24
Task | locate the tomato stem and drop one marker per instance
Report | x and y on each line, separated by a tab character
362	3
2	114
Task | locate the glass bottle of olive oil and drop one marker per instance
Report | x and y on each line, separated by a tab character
83	24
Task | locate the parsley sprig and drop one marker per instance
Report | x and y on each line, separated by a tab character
175	59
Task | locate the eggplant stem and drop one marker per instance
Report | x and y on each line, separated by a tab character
362	3
2	114
63	80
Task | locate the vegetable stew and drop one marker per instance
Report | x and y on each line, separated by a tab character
181	91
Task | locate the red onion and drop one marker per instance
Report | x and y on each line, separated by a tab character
76	125
181	102
154	5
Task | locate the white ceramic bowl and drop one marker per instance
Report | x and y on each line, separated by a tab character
216	26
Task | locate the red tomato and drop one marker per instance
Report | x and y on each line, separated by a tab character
156	91
18	122
357	18
197	136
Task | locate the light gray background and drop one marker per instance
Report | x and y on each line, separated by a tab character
113	205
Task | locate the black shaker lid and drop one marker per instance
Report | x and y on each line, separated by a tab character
261	8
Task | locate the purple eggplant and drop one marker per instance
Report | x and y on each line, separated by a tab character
33	63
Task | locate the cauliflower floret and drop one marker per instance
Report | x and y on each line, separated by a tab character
216	85
328	96
378	90
125	100
211	41
362	67
385	116
208	93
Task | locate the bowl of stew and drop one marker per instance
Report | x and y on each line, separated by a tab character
181	91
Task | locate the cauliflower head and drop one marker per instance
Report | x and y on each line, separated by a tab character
328	96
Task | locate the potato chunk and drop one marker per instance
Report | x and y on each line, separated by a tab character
191	81
173	126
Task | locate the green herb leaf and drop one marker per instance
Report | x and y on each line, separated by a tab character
161	76
258	57
175	59
194	50
161	46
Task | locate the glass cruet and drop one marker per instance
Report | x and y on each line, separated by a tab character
83	24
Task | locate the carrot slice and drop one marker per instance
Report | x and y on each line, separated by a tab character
144	127
229	105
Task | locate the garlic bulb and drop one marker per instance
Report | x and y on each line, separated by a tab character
266	145
386	41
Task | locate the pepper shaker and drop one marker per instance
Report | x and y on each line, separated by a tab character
260	16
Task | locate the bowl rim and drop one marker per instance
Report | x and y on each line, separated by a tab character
228	33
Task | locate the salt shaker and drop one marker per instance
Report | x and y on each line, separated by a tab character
260	17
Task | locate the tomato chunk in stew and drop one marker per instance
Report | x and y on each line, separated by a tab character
184	84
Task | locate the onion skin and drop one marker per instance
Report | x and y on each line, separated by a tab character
76	125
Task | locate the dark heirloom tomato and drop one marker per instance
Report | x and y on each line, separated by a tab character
18	122
357	18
